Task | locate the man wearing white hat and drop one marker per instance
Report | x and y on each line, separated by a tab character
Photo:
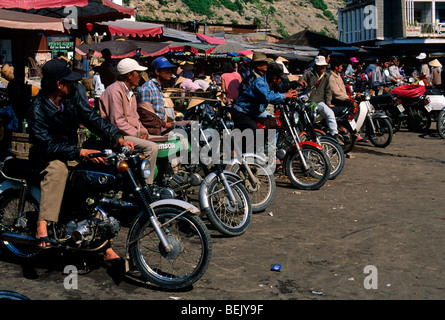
318	80
118	104
424	69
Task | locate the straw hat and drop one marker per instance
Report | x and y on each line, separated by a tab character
180	80
186	65
7	72
435	63
168	102
281	59
260	57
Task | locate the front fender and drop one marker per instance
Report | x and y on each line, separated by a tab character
310	143
204	203
236	161
8	185
379	115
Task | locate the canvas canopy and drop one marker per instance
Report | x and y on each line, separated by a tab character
25	21
133	28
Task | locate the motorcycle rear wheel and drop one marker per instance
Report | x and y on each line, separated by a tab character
189	258
229	220
311	179
382	137
441	124
419	120
336	156
9	202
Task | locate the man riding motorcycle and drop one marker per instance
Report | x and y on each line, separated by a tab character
54	119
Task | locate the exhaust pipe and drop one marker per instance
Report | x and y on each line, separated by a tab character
17	238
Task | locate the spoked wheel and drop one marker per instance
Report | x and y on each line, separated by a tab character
229	218
336	156
441	124
419	120
315	176
9	206
190	253
262	191
382	136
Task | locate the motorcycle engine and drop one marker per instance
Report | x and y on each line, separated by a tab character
83	232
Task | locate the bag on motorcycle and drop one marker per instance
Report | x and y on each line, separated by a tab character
409	91
150	121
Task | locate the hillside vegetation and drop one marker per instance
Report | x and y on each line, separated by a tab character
284	17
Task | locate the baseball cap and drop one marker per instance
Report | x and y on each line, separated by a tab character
128	65
58	69
421	56
161	63
320	61
354	60
275	70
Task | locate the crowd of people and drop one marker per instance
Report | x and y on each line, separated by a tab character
131	106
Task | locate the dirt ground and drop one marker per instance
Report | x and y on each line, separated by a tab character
374	233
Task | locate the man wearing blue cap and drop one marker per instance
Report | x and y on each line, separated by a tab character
151	91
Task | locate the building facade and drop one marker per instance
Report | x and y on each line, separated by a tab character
392	22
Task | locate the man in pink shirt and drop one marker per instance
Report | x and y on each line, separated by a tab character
118	104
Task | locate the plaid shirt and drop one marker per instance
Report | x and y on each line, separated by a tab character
151	91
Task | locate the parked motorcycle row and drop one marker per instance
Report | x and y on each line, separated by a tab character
168	241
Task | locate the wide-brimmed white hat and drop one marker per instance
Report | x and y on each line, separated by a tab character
421	56
320	61
128	65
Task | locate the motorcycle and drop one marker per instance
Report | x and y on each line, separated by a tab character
306	164
307	132
377	124
167	242
222	195
417	106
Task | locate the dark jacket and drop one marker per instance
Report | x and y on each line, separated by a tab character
53	133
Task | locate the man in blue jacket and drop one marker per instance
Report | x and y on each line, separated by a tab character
254	100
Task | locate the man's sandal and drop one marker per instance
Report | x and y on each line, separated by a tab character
43	240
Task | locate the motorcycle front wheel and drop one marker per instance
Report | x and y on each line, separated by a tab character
308	179
230	219
261	193
441	124
190	254
382	136
9	206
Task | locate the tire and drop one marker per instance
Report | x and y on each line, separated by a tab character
336	156
8	215
262	194
441	124
226	219
11	295
419	120
382	137
190	257
318	173
349	139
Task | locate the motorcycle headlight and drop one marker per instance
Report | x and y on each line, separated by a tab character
296	118
145	169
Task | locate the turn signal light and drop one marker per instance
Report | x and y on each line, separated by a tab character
122	166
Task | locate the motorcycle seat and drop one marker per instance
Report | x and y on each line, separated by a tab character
382	99
20	169
340	112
